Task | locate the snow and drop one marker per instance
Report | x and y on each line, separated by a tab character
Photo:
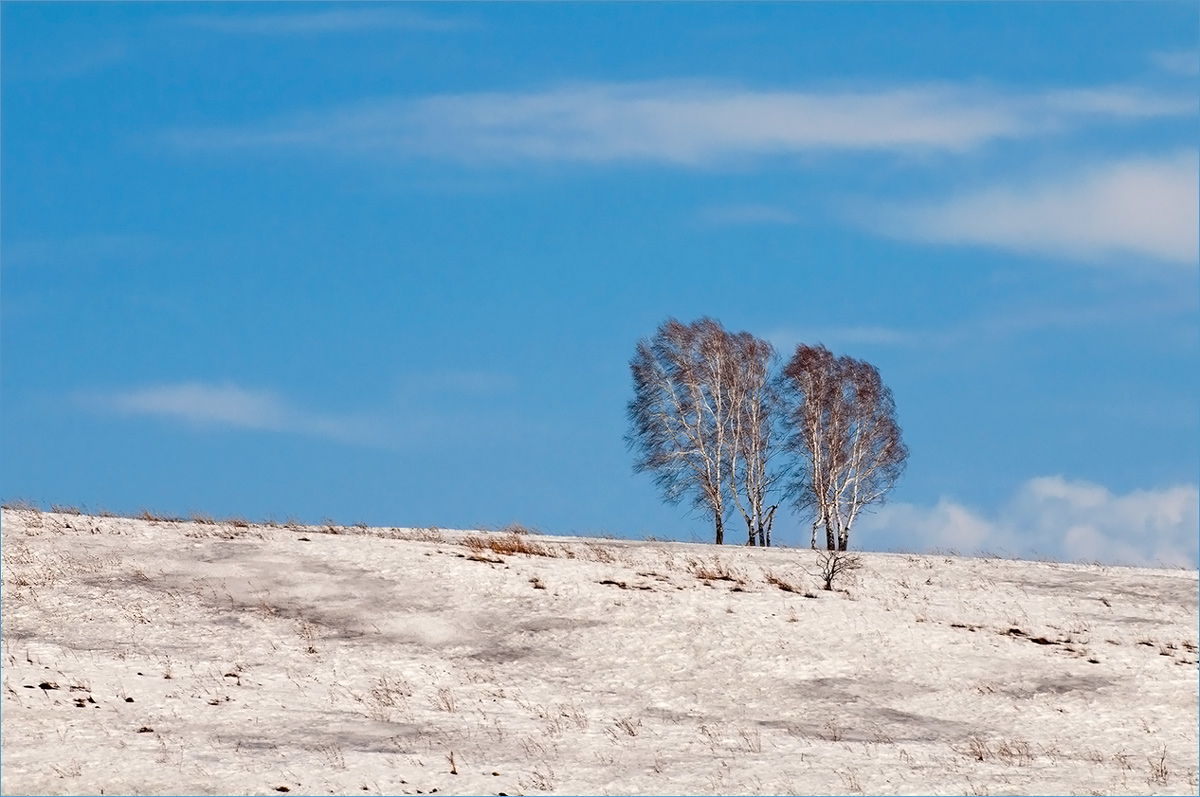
171	657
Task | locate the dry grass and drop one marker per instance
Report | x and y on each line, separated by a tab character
714	570
158	517
599	553
783	583
21	505
506	544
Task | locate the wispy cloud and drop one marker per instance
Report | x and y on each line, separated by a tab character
1146	207
1178	62
342	20
235	407
786	340
432	407
993	325
80	250
743	215
56	61
1052	516
459	383
691	123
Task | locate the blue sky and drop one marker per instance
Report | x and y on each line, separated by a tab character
389	263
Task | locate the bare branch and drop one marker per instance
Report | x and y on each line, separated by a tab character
702	420
845	435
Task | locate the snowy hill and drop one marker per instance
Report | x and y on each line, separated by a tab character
166	657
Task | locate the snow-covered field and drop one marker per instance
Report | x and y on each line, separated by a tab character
171	657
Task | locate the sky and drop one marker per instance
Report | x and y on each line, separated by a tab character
389	263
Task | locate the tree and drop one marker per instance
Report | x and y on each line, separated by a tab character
845	435
701	418
755	402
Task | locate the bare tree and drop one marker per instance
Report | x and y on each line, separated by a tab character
844	430
701	420
754	419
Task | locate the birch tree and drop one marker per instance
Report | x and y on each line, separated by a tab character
701	421
845	436
754	419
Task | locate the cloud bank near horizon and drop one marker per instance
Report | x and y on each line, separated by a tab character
1052	516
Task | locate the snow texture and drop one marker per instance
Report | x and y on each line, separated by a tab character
171	657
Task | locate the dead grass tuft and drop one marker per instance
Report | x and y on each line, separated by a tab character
599	553
21	505
782	583
157	517
714	570
1159	772
506	544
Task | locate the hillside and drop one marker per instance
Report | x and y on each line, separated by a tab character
168	657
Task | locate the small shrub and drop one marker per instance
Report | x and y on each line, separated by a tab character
833	564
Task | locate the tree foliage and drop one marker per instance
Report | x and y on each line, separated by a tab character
702	420
845	435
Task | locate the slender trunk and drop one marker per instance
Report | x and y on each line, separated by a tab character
843	539
720	530
830	539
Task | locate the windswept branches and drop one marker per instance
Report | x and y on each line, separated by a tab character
701	420
844	432
708	414
755	400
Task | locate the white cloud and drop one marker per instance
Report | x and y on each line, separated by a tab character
1178	62
341	20
691	123
1050	516
1147	207
235	407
